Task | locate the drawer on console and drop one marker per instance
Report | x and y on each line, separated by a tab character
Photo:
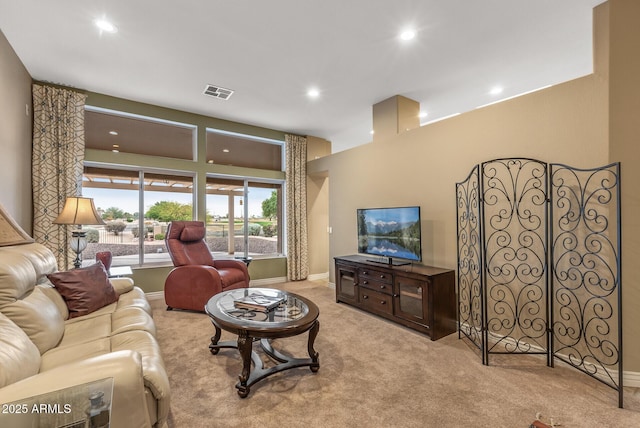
375	285
376	275
376	302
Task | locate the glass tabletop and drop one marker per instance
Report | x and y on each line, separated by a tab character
287	307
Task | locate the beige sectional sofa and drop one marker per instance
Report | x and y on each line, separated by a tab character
43	349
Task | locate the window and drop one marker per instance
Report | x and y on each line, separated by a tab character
135	236
244	217
228	148
243	213
128	133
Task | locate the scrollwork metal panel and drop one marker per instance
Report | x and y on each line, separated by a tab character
469	260
539	264
515	245
586	316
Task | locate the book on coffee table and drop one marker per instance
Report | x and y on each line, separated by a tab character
258	302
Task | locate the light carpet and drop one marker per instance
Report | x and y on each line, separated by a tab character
374	373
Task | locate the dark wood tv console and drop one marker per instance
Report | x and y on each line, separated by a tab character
419	297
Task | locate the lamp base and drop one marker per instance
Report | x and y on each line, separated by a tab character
78	244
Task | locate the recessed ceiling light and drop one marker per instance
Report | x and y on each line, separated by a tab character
116	146
210	161
423	114
225	150
115	151
113	132
105	25
408	34
313	93
372	132
496	90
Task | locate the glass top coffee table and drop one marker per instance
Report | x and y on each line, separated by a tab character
292	316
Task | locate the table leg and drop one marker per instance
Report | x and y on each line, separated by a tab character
214	341
315	362
245	346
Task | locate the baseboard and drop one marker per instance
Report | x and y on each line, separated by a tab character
267	281
155	295
318	276
629	378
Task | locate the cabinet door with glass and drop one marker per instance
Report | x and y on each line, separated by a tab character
346	284
410	299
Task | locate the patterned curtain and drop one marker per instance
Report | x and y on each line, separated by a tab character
296	170
58	155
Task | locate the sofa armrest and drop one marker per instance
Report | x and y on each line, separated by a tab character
122	285
128	406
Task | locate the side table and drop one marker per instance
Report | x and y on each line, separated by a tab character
119	271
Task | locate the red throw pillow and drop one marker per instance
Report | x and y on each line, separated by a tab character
84	290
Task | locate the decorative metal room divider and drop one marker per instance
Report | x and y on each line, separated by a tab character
539	264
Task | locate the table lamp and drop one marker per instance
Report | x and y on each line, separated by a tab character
78	211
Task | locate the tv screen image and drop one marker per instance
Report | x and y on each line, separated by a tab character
390	232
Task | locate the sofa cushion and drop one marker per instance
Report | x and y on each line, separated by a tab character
22	267
17	276
62	355
101	324
49	290
39	317
137	298
19	357
85	290
85	329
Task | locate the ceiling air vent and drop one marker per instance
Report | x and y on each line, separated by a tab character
218	92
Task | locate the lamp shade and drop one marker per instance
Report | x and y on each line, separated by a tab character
78	210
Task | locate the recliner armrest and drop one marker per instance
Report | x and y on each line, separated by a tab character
232	264
194	275
187	287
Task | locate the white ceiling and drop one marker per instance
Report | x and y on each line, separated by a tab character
272	52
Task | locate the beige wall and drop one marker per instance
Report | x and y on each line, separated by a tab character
566	123
587	122
624	135
15	136
318	210
318	224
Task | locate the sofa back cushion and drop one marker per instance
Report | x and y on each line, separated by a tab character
21	268
38	317
50	291
19	357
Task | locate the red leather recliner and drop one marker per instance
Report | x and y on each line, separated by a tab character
197	276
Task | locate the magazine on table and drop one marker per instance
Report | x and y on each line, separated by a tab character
258	302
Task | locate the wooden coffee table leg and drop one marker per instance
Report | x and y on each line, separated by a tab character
214	340
315	363
245	345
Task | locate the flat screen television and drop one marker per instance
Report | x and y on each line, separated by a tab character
390	232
